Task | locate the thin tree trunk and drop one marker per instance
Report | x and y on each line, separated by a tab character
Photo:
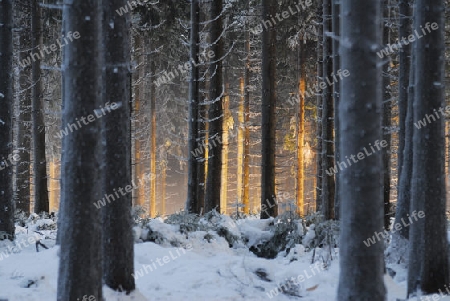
153	144
215	116
118	242
361	184
41	201
225	141
193	144
80	267
319	170
6	114
328	185
246	168
336	94
301	131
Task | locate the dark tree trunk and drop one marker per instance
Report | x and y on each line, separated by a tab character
405	102
118	242
41	202
336	95
23	135
215	116
361	184
269	206
428	265
319	177
80	267
328	186
6	114
387	108
192	204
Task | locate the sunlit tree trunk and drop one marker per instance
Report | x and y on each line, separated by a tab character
6	115
319	171
80	265
360	122
246	162
225	141
301	131
269	206
41	202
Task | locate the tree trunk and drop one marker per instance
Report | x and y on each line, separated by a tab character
193	143
246	168
80	267
428	265
301	131
328	185
387	108
225	141
215	116
319	177
118	242
153	143
6	114
41	201
23	135
336	94
269	206
405	103
361	184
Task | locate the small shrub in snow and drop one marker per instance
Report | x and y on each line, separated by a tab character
188	222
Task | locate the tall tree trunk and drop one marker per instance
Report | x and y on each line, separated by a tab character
215	116
153	143
246	168
319	151
361	187
405	103
328	186
269	206
80	267
301	130
387	108
225	141
336	94
240	144
118	242
23	136
41	201
6	114
193	143
428	264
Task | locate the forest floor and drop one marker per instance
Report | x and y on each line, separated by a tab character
203	269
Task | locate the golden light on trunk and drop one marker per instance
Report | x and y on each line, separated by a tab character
300	143
227	121
240	148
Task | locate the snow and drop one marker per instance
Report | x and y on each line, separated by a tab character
202	267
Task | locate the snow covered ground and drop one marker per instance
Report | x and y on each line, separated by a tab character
200	269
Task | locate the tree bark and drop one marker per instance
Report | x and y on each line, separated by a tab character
361	184
41	201
80	267
428	265
328	185
6	114
215	116
193	143
336	95
269	206
118	242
